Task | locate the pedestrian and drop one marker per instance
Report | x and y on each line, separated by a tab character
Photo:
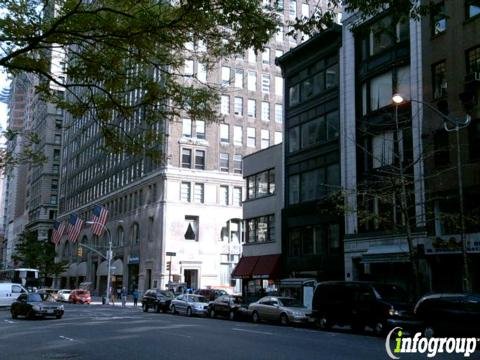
135	297
124	296
113	297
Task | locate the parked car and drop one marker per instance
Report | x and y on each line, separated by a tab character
211	294
9	292
359	304
231	306
159	300
31	305
189	304
449	314
283	309
63	294
79	296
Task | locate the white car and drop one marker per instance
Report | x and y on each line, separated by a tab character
63	295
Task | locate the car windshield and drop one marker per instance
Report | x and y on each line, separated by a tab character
34	298
197	298
290	302
391	293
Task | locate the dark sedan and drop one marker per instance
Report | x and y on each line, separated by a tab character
158	300
231	306
449	314
32	306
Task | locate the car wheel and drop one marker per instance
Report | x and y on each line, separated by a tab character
157	308
379	328
145	307
174	311
231	315
323	323
212	313
58	316
428	331
284	319
31	315
189	311
255	317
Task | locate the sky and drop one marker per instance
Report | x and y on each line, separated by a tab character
4	83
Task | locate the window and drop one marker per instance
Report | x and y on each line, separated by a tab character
252	81
225	75
191	228
225	104
252	58
331	79
200	159
266	56
473	60
294	139
279	113
201	72
239	79
294	95
237	196
381	91
439	19
223	195
265	83
198	193
278	137
265	139
278	86
279	4
237	164
439	80
238	106
186	128
56	155
188	68
382	149
261	229
224	162
185	191
251	111
54	184
251	137
473	8
292	9
224	133
380	36
237	135
186	158
200	129
313	184
265	115
305	11
261	184
53	199
58	139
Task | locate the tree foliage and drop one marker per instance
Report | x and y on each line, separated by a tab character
37	254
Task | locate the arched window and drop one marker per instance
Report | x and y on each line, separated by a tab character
135	239
120	236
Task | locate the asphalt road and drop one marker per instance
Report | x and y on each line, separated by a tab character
106	332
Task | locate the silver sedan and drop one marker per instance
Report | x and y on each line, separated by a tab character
283	309
189	304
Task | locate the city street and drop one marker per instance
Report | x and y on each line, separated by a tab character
95	331
106	332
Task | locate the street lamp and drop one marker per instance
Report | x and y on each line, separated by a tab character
108	257
450	125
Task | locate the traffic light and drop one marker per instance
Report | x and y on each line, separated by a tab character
79	251
169	265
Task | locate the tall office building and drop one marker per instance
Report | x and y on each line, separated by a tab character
189	203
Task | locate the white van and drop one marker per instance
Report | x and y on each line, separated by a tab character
9	293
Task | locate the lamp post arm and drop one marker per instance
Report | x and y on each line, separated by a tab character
446	119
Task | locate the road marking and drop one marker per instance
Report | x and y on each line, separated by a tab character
65	338
9	321
253	331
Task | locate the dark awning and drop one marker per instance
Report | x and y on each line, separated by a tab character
245	267
267	267
386	254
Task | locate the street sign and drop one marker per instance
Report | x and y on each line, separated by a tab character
169	253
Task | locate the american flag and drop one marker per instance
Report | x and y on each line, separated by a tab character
58	230
99	217
75	225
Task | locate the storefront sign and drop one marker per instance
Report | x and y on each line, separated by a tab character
133	259
452	244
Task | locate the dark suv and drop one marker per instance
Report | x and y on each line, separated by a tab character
231	306
449	314
159	300
359	304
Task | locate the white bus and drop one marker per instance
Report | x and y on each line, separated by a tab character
28	278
